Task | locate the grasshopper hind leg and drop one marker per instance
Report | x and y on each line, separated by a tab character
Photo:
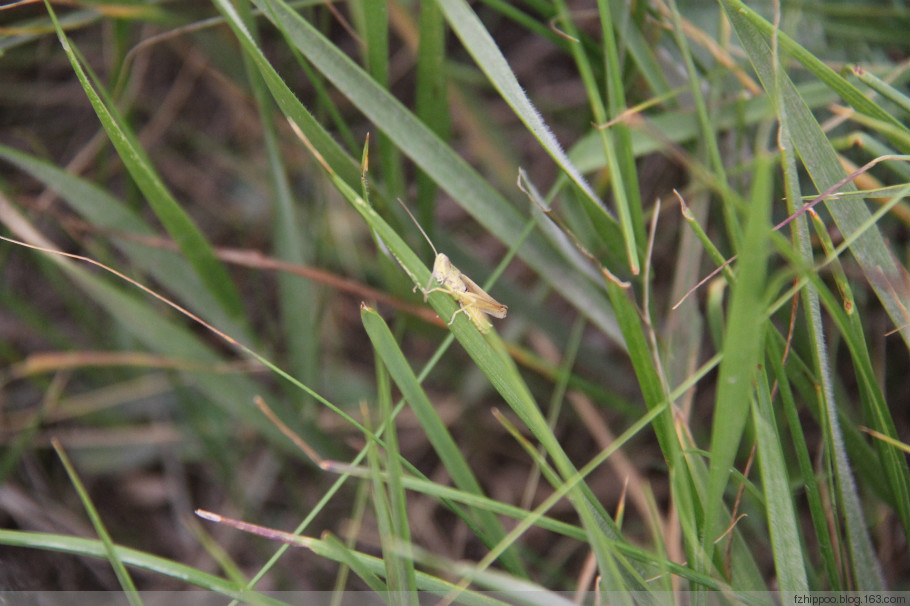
477	318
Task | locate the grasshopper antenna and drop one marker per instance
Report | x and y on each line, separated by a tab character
410	214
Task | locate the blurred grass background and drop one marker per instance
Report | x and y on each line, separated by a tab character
723	442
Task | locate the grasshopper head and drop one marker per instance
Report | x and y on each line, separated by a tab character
447	275
441	267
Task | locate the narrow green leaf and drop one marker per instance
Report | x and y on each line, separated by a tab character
626	190
708	139
884	89
391	535
781	517
474	500
123	576
741	350
431	99
817	509
615	140
297	296
375	28
138	559
478	42
437	433
890	459
191	241
334	549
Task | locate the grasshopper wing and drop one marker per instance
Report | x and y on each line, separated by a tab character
482	301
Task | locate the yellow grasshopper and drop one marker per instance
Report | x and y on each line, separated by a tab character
474	302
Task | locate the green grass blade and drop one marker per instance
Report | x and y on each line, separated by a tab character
708	138
486	54
138	559
885	90
889	460
472	499
817	510
862	555
781	517
648	378
297	296
875	408
389	502
432	105
615	140
626	189
334	549
191	241
398	503
437	433
374	24
742	353
365	565
632	40
123	576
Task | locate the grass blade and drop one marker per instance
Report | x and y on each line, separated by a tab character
436	431
388	498
137	559
126	581
191	241
297	297
431	101
781	517
742	348
486	54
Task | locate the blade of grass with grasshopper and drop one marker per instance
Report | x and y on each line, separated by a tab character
473	301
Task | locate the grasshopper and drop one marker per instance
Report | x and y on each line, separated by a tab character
473	301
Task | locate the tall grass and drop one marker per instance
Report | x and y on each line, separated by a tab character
219	183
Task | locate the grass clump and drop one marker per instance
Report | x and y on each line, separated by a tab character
699	383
